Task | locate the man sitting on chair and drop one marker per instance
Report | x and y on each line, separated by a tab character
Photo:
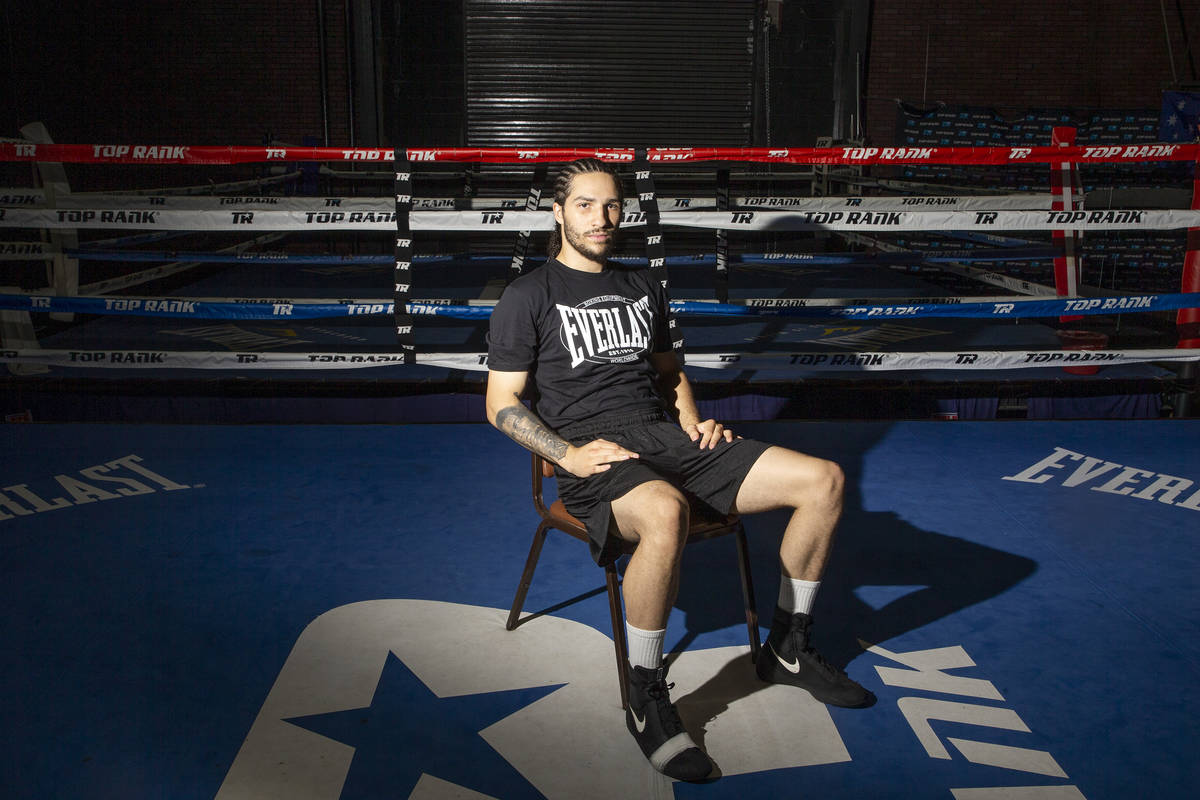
616	415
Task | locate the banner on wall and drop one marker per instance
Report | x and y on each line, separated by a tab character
1180	117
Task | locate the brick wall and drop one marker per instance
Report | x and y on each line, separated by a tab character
212	72
161	72
233	72
1019	54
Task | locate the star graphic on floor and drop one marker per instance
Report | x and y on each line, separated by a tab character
408	730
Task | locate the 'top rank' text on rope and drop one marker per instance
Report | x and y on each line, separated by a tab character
827	156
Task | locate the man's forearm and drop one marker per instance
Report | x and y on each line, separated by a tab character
523	427
678	394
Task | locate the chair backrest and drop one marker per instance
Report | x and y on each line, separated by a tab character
541	469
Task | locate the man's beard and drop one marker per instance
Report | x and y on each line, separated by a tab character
588	248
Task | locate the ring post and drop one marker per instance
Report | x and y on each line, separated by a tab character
1062	186
64	272
1187	320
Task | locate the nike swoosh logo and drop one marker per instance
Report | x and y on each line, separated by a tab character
640	722
791	666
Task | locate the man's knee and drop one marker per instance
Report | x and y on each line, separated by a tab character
658	515
832	481
821	482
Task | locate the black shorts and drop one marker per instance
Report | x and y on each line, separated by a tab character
665	452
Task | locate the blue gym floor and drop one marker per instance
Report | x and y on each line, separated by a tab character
317	612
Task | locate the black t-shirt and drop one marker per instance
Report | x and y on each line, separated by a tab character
584	337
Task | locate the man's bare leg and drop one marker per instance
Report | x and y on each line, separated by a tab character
783	478
812	487
655	515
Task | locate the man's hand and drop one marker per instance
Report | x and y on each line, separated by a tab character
594	457
708	433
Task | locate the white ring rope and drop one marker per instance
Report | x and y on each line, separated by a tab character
482	221
848	362
36	198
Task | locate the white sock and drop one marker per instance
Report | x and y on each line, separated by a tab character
796	596
645	647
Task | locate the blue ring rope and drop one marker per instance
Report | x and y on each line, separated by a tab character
204	309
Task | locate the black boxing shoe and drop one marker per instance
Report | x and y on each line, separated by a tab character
788	658
655	724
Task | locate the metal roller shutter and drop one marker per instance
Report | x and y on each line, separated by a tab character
609	72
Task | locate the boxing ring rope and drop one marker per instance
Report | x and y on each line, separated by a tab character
35	198
490	221
224	155
851	217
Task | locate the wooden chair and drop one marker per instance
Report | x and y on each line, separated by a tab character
703	526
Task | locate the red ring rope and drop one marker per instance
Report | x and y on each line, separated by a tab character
827	156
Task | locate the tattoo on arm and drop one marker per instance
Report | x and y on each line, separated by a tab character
524	428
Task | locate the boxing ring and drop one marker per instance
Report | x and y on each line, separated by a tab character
301	298
313	612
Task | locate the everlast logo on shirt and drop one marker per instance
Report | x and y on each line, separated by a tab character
617	333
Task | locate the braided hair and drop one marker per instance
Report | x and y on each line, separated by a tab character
562	188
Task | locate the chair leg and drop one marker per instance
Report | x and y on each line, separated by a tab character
618	623
743	552
535	551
